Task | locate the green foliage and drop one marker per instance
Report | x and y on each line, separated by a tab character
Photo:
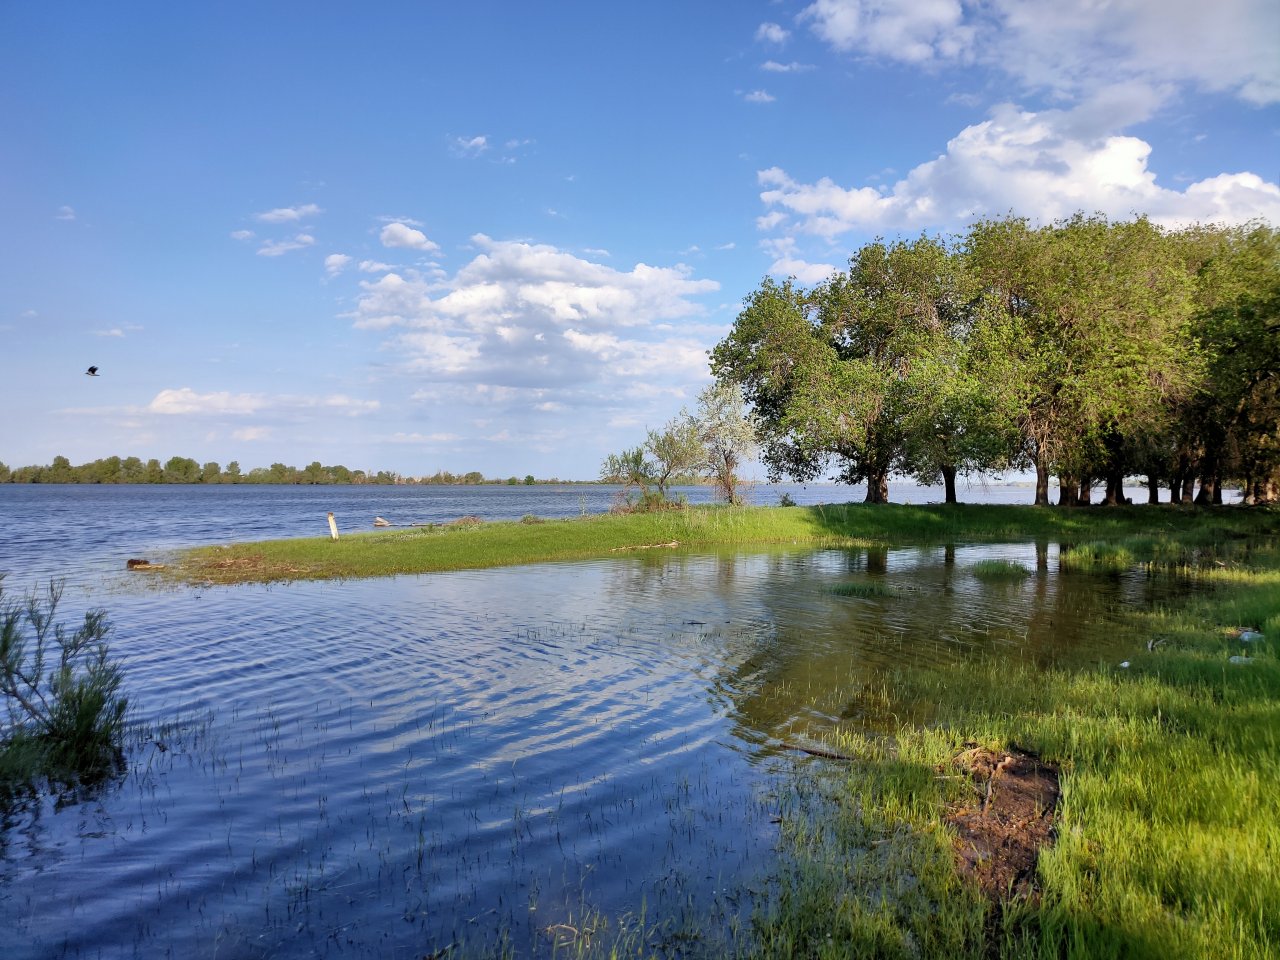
675	449
64	712
1084	348
1167	825
728	437
997	570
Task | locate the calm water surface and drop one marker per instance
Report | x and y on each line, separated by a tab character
386	767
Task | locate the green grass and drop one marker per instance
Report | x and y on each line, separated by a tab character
1000	570
1169	827
453	547
864	589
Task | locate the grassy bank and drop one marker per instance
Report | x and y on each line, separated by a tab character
1168	832
1158	532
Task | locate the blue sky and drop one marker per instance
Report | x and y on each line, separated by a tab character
502	236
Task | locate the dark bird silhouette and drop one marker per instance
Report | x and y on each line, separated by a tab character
91	372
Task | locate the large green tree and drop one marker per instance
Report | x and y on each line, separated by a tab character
1099	314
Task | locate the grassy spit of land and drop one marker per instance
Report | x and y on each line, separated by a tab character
1168	830
470	545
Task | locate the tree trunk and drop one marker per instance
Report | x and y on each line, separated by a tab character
1208	483
878	486
1188	487
1068	490
1086	488
1153	488
1042	484
1115	491
949	478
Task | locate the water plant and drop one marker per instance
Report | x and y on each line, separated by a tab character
64	713
996	569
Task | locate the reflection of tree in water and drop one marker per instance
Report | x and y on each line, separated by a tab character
808	657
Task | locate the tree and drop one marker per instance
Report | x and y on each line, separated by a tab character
529	480
728	436
676	448
1098	313
631	468
868	372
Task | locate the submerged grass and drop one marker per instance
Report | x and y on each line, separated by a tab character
1000	570
1169	827
475	545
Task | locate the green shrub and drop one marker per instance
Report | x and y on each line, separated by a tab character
64	714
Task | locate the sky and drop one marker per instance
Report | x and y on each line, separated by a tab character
502	236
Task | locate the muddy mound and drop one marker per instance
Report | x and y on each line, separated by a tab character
999	832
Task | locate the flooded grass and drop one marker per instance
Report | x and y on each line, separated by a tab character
459	546
999	570
1169	819
864	588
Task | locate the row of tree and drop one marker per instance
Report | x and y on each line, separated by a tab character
186	470
711	443
1086	350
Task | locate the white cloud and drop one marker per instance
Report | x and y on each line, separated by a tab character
374	266
469	146
525	316
288	214
399	234
113	332
335	263
772	33
1068	48
773	66
1036	164
184	401
276	248
759	96
422	438
65	213
251	434
913	32
242	234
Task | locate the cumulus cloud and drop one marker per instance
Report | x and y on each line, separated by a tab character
335	263
250	434
759	96
399	234
277	248
288	214
1226	46
242	235
1034	163
772	33
532	316
374	266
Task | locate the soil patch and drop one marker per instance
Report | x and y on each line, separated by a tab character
1001	830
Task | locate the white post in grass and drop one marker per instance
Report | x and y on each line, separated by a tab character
333	527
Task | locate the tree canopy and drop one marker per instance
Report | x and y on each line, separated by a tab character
1086	349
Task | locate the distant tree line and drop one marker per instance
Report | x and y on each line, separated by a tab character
1085	350
186	470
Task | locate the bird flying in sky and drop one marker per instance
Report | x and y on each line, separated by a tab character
91	372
